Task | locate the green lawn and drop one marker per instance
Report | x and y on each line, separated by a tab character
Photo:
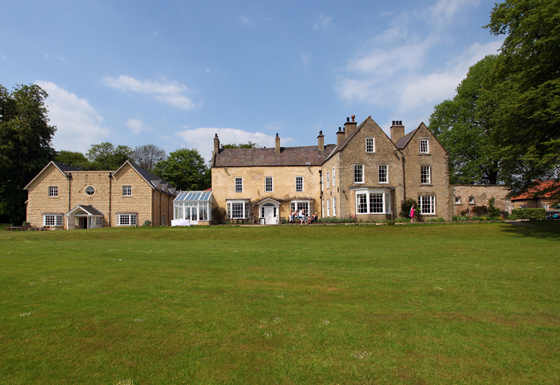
421	304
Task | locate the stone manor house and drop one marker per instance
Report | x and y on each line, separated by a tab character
365	175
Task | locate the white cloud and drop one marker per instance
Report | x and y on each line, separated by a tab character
169	92
78	123
443	12
322	22
245	20
203	138
306	58
136	126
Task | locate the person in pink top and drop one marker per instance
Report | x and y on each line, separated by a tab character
412	214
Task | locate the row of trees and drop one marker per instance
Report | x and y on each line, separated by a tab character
503	125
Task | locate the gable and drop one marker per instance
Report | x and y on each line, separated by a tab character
51	170
410	141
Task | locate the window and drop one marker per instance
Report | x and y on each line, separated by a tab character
99	221
238	209
424	146
299	183
268	184
457	200
370	145
328	180
358	173
53	191
90	190
427	204
383	175
322	184
471	200
334	207
127	191
301	205
373	202
333	177
328	208
52	219
126	219
238	185
425	177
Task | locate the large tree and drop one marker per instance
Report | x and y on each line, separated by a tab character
73	159
185	169
528	80
148	155
464	126
105	156
25	145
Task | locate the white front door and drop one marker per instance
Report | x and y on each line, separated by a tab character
269	212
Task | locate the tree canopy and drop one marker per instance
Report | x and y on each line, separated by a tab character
25	145
148	155
185	169
105	156
249	144
73	159
464	126
528	84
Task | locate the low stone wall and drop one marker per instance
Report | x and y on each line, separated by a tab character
468	196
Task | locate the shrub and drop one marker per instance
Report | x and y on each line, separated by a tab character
474	218
402	220
147	223
512	217
431	220
405	209
479	211
464	218
493	211
455	218
466	212
219	215
390	222
539	214
440	220
336	220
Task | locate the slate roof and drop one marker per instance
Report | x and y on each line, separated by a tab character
401	143
289	156
64	168
148	176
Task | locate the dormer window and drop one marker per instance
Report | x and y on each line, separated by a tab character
424	146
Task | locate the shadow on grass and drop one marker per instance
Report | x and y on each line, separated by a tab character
536	229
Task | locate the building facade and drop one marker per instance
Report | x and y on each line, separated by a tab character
63	197
465	197
366	175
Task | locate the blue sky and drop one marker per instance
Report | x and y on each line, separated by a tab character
174	73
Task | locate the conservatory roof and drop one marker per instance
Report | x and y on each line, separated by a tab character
194	196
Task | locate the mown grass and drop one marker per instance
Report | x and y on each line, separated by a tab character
434	304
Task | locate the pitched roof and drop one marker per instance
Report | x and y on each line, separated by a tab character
60	166
401	143
541	189
87	208
348	139
289	156
147	176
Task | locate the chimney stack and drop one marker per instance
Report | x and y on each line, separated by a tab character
277	144
216	144
397	130
340	136
350	126
321	141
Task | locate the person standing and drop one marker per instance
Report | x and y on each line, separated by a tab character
412	214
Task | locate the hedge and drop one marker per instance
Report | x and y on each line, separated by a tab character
539	214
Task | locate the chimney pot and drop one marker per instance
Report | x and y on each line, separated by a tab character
353	116
347	119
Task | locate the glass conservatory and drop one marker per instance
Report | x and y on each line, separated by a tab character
192	208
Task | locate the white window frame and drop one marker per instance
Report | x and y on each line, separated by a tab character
373	193
299	189
301	204
53	191
127	190
370	145
266	184
424	146
457	200
244	209
386	167
333	177
322	183
361	168
427	204
86	191
328	208
334	207
127	219
423	175
53	220
328	180
238	184
471	200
